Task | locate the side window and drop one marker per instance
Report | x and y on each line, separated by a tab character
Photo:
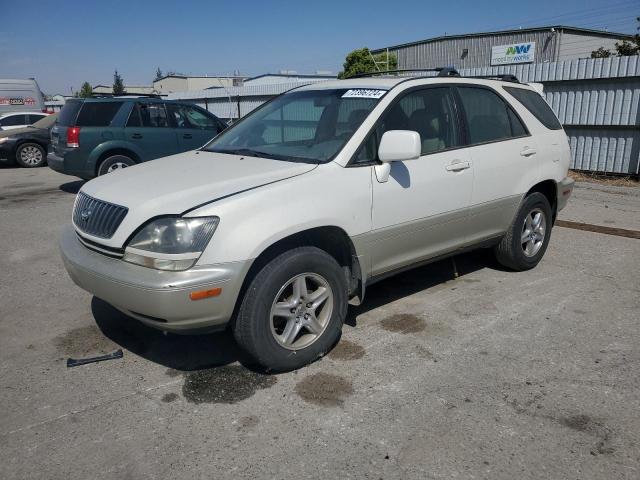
13	120
134	117
429	112
153	115
97	114
31	119
488	117
189	117
534	102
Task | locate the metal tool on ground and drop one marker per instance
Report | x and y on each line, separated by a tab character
74	362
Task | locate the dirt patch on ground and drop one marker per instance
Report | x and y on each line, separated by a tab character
228	384
603	179
84	341
324	389
403	323
169	397
346	350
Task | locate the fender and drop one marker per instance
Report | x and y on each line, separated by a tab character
115	144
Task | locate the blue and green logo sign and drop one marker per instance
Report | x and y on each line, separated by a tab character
514	53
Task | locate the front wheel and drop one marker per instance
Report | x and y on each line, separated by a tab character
113	163
293	310
524	244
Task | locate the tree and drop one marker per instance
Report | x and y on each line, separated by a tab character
362	61
85	90
118	84
601	53
624	49
158	75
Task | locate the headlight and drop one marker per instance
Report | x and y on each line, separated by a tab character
171	243
4	139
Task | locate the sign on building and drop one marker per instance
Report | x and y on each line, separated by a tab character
514	53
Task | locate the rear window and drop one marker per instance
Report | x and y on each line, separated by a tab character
68	114
97	114
534	102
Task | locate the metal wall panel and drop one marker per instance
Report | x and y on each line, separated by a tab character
601	150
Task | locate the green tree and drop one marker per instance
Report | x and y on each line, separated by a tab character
158	75
601	53
118	84
622	49
362	61
85	90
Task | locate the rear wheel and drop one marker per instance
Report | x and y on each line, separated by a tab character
30	155
526	241
113	163
293	310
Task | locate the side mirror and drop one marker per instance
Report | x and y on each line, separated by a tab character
399	145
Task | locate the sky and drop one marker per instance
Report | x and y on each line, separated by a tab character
62	44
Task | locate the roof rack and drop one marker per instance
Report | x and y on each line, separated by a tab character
442	72
505	77
111	95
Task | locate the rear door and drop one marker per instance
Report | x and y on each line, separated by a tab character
502	152
194	126
149	128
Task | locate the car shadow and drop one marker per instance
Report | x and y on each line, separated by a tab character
72	187
180	352
197	352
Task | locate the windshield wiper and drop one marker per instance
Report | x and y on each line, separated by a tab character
247	152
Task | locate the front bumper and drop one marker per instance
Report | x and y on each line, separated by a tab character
156	298
565	188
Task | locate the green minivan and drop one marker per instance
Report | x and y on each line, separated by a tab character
94	136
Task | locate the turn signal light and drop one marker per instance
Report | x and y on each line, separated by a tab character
200	294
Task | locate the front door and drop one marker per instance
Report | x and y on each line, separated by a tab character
194	127
420	211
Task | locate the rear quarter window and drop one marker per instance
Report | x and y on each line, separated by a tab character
97	114
69	113
537	105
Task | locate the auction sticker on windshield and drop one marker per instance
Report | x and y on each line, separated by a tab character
363	93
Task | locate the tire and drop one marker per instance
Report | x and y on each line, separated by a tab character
272	341
517	252
31	155
114	162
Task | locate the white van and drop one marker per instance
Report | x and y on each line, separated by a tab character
20	96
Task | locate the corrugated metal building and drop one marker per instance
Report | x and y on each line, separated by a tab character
548	44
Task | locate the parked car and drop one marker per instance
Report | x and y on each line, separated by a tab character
17	95
12	121
27	146
293	211
95	136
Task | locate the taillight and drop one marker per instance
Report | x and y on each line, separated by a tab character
73	137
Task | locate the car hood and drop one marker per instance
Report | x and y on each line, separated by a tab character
175	184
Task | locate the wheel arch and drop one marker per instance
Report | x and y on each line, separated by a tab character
331	239
549	189
116	151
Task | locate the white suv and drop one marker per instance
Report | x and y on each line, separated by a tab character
281	220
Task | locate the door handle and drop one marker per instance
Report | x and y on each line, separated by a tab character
527	151
136	135
187	135
457	166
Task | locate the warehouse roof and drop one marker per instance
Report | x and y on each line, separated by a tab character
603	33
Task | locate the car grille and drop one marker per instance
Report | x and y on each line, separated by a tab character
96	217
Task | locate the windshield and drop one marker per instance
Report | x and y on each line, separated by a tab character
311	125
